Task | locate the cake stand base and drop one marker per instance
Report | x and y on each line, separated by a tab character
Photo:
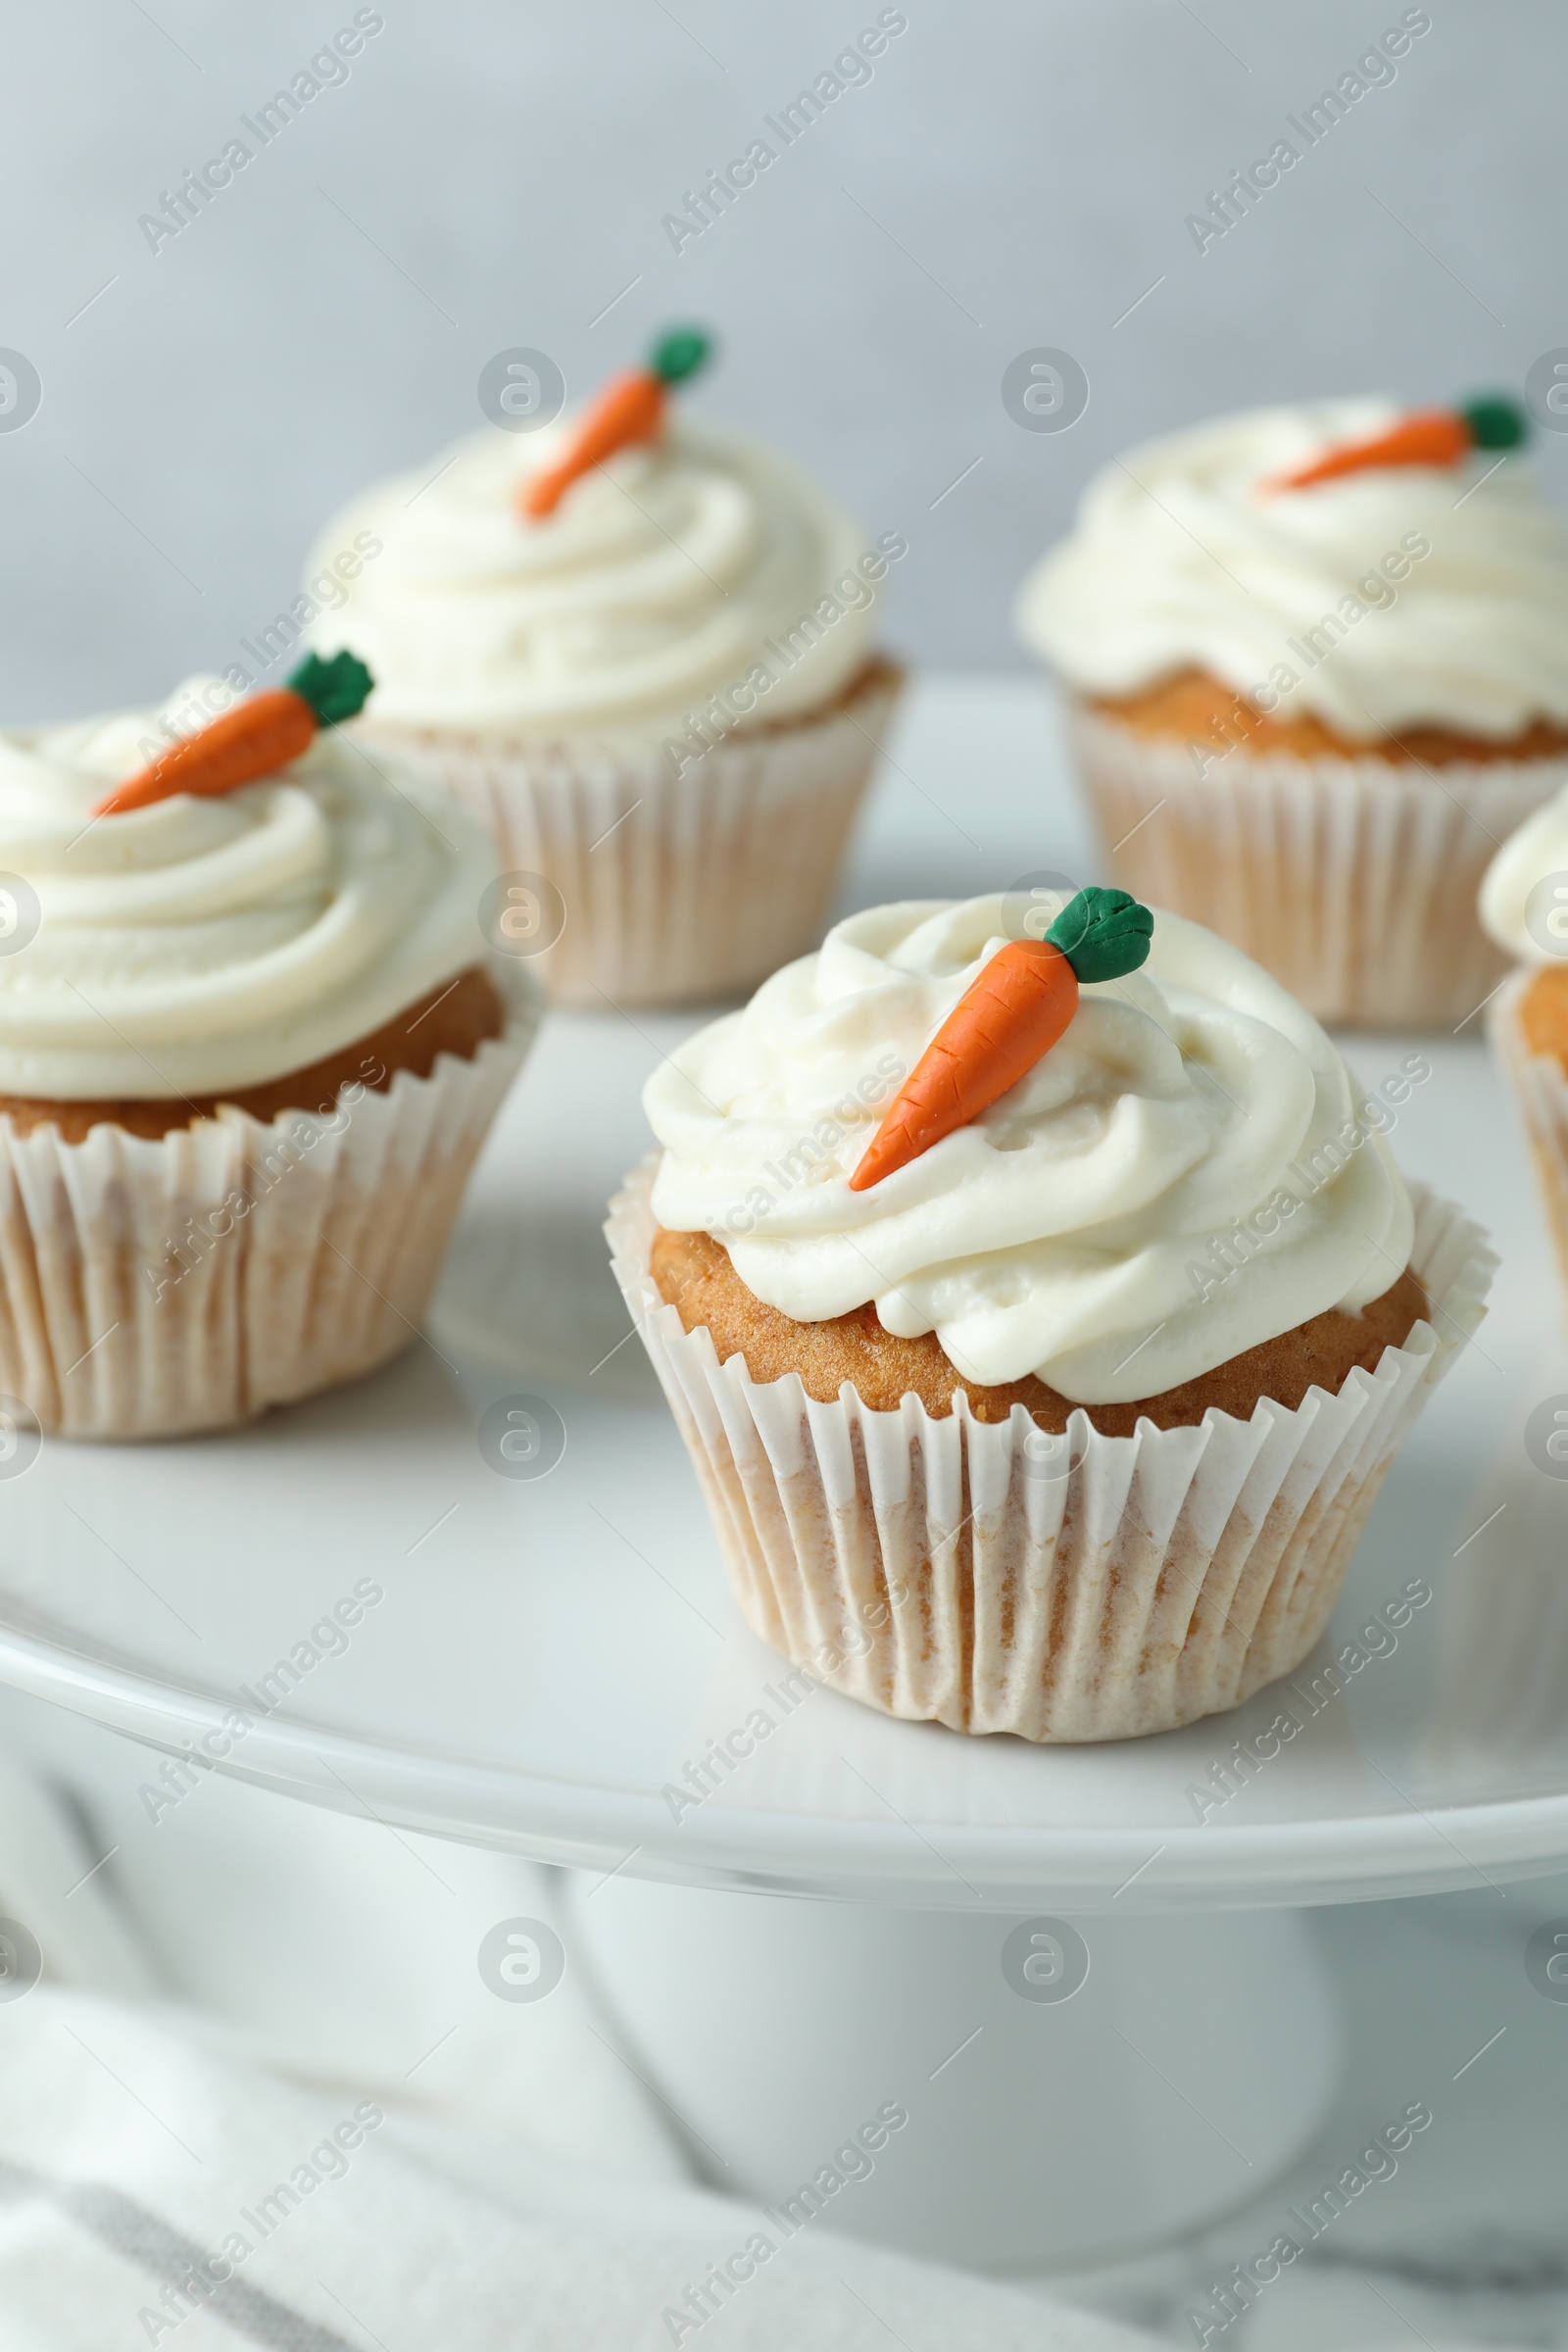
1074	2091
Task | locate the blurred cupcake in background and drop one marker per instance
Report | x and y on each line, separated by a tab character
643	650
1524	906
1318	660
251	1040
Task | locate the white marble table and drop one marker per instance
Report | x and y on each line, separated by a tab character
1468	2240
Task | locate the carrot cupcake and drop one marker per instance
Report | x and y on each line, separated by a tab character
1524	906
1318	659
643	649
251	1040
1041	1321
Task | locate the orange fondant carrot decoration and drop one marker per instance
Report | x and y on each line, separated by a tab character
1005	1020
259	736
629	408
1424	437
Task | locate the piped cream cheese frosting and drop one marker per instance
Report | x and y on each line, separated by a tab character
1391	597
1524	893
667	575
200	944
1189	1171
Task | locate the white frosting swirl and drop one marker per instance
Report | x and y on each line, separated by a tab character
1524	895
199	944
1182	559
1068	1231
654	584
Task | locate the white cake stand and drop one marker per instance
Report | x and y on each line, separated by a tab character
859	1915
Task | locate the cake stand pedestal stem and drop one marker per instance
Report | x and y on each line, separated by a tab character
1045	2130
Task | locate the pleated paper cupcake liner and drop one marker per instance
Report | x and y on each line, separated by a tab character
1352	881
994	1578
1541	1089
676	888
154	1288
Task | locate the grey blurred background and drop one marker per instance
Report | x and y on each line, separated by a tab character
495	172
